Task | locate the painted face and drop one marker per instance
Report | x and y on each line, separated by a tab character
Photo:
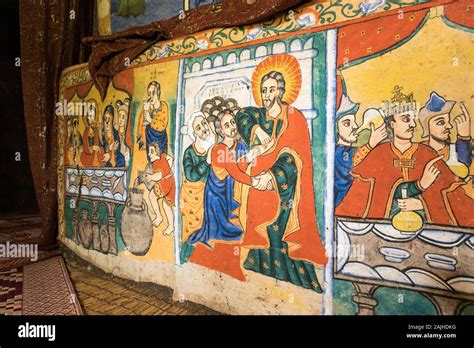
153	94
347	127
122	119
404	126
108	121
270	92
153	153
201	127
440	128
229	128
91	116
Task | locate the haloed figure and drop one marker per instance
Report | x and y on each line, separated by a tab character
163	188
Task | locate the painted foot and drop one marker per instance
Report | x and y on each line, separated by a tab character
168	231
157	222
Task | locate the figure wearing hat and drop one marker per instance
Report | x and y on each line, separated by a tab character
431	187
347	132
435	121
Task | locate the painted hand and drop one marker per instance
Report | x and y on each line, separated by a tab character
254	181
377	135
263	181
410	204
106	158
154	177
115	146
463	122
262	136
430	173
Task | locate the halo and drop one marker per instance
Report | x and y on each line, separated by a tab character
284	64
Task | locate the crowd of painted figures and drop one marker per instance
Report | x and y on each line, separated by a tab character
103	142
391	173
248	173
248	182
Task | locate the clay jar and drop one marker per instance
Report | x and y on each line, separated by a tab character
136	227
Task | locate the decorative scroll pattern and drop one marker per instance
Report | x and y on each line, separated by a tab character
307	17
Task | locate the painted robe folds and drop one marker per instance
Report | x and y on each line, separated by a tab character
374	192
281	226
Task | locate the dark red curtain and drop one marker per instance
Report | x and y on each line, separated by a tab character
50	34
461	12
109	52
374	37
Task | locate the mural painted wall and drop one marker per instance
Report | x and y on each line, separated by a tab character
320	163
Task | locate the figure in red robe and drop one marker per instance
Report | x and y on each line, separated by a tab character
164	187
92	151
281	226
433	190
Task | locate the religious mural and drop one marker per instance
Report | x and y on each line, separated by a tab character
248	167
97	154
403	186
329	168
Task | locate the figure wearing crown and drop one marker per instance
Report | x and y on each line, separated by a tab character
429	187
281	228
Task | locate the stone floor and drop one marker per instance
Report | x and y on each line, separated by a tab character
99	293
103	294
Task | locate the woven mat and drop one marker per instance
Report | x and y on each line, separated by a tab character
41	288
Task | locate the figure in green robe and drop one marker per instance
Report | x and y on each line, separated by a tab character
196	171
283	200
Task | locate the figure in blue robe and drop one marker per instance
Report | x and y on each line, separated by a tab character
343	164
119	157
464	150
156	136
219	204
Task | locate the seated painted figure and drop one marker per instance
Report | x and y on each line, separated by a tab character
112	155
228	164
